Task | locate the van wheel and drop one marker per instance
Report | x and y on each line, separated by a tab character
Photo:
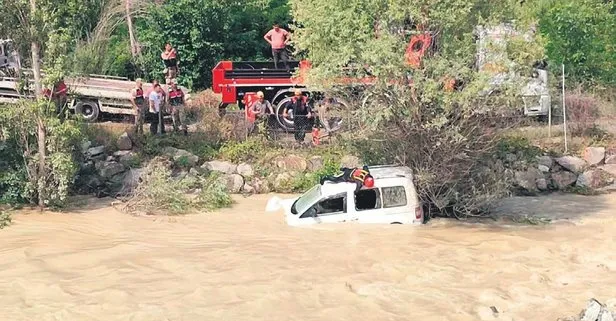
396	223
88	110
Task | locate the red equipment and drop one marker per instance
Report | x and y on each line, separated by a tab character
369	182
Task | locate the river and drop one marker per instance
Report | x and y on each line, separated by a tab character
243	264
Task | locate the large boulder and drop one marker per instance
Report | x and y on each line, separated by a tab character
594	155
350	161
609	168
87	184
127	158
245	170
572	163
282	182
124	142
542	184
248	189
546	161
564	179
594	179
260	186
292	163
182	158
220	166
233	182
97	152
110	169
543	168
528	180
315	163
131	181
610	160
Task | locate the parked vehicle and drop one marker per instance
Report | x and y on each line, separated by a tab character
89	97
392	200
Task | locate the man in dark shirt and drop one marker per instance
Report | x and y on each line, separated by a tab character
302	114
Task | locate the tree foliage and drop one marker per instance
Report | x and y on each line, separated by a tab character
580	34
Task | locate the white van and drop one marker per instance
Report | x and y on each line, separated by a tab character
392	200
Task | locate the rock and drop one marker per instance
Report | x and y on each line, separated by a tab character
260	186
110	169
95	151
315	163
542	184
594	179
87	184
131	181
194	172
609	168
528	180
127	158
233	182
564	179
245	170
85	146
511	158
594	155
110	158
572	163
350	161
87	167
543	169
292	163
591	313
124	142
220	166
546	161
281	183
182	158
248	189
610	160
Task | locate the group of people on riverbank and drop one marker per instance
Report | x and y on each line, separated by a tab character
152	106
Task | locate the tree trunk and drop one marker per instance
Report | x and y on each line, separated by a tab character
40	124
134	48
36	66
42	172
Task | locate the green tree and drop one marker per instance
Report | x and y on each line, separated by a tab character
580	34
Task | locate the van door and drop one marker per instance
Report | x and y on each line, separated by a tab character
368	206
332	209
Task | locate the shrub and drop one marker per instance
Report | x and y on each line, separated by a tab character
5	219
244	151
582	112
160	193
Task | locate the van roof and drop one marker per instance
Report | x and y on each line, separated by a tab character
390	171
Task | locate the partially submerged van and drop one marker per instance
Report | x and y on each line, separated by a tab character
392	200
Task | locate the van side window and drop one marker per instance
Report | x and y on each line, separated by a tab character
332	205
368	199
394	196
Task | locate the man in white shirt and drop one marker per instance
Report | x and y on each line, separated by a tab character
155	99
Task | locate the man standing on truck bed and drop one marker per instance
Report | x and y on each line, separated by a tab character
169	57
278	38
138	101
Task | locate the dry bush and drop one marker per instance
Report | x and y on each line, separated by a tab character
582	112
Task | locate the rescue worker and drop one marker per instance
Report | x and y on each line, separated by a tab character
262	109
176	102
59	97
359	176
302	114
278	39
169	57
138	101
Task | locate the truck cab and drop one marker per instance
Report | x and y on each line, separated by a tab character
392	200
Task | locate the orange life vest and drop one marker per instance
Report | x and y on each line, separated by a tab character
359	174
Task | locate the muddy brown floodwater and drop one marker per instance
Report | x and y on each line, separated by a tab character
244	264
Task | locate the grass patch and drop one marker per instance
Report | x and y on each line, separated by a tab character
5	219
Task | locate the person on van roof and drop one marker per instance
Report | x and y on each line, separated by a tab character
359	176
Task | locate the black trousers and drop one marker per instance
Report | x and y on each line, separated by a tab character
302	125
155	119
281	55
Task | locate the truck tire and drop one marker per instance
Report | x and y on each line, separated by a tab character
88	110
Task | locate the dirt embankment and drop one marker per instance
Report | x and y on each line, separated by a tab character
243	264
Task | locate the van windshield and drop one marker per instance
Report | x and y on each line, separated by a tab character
305	201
